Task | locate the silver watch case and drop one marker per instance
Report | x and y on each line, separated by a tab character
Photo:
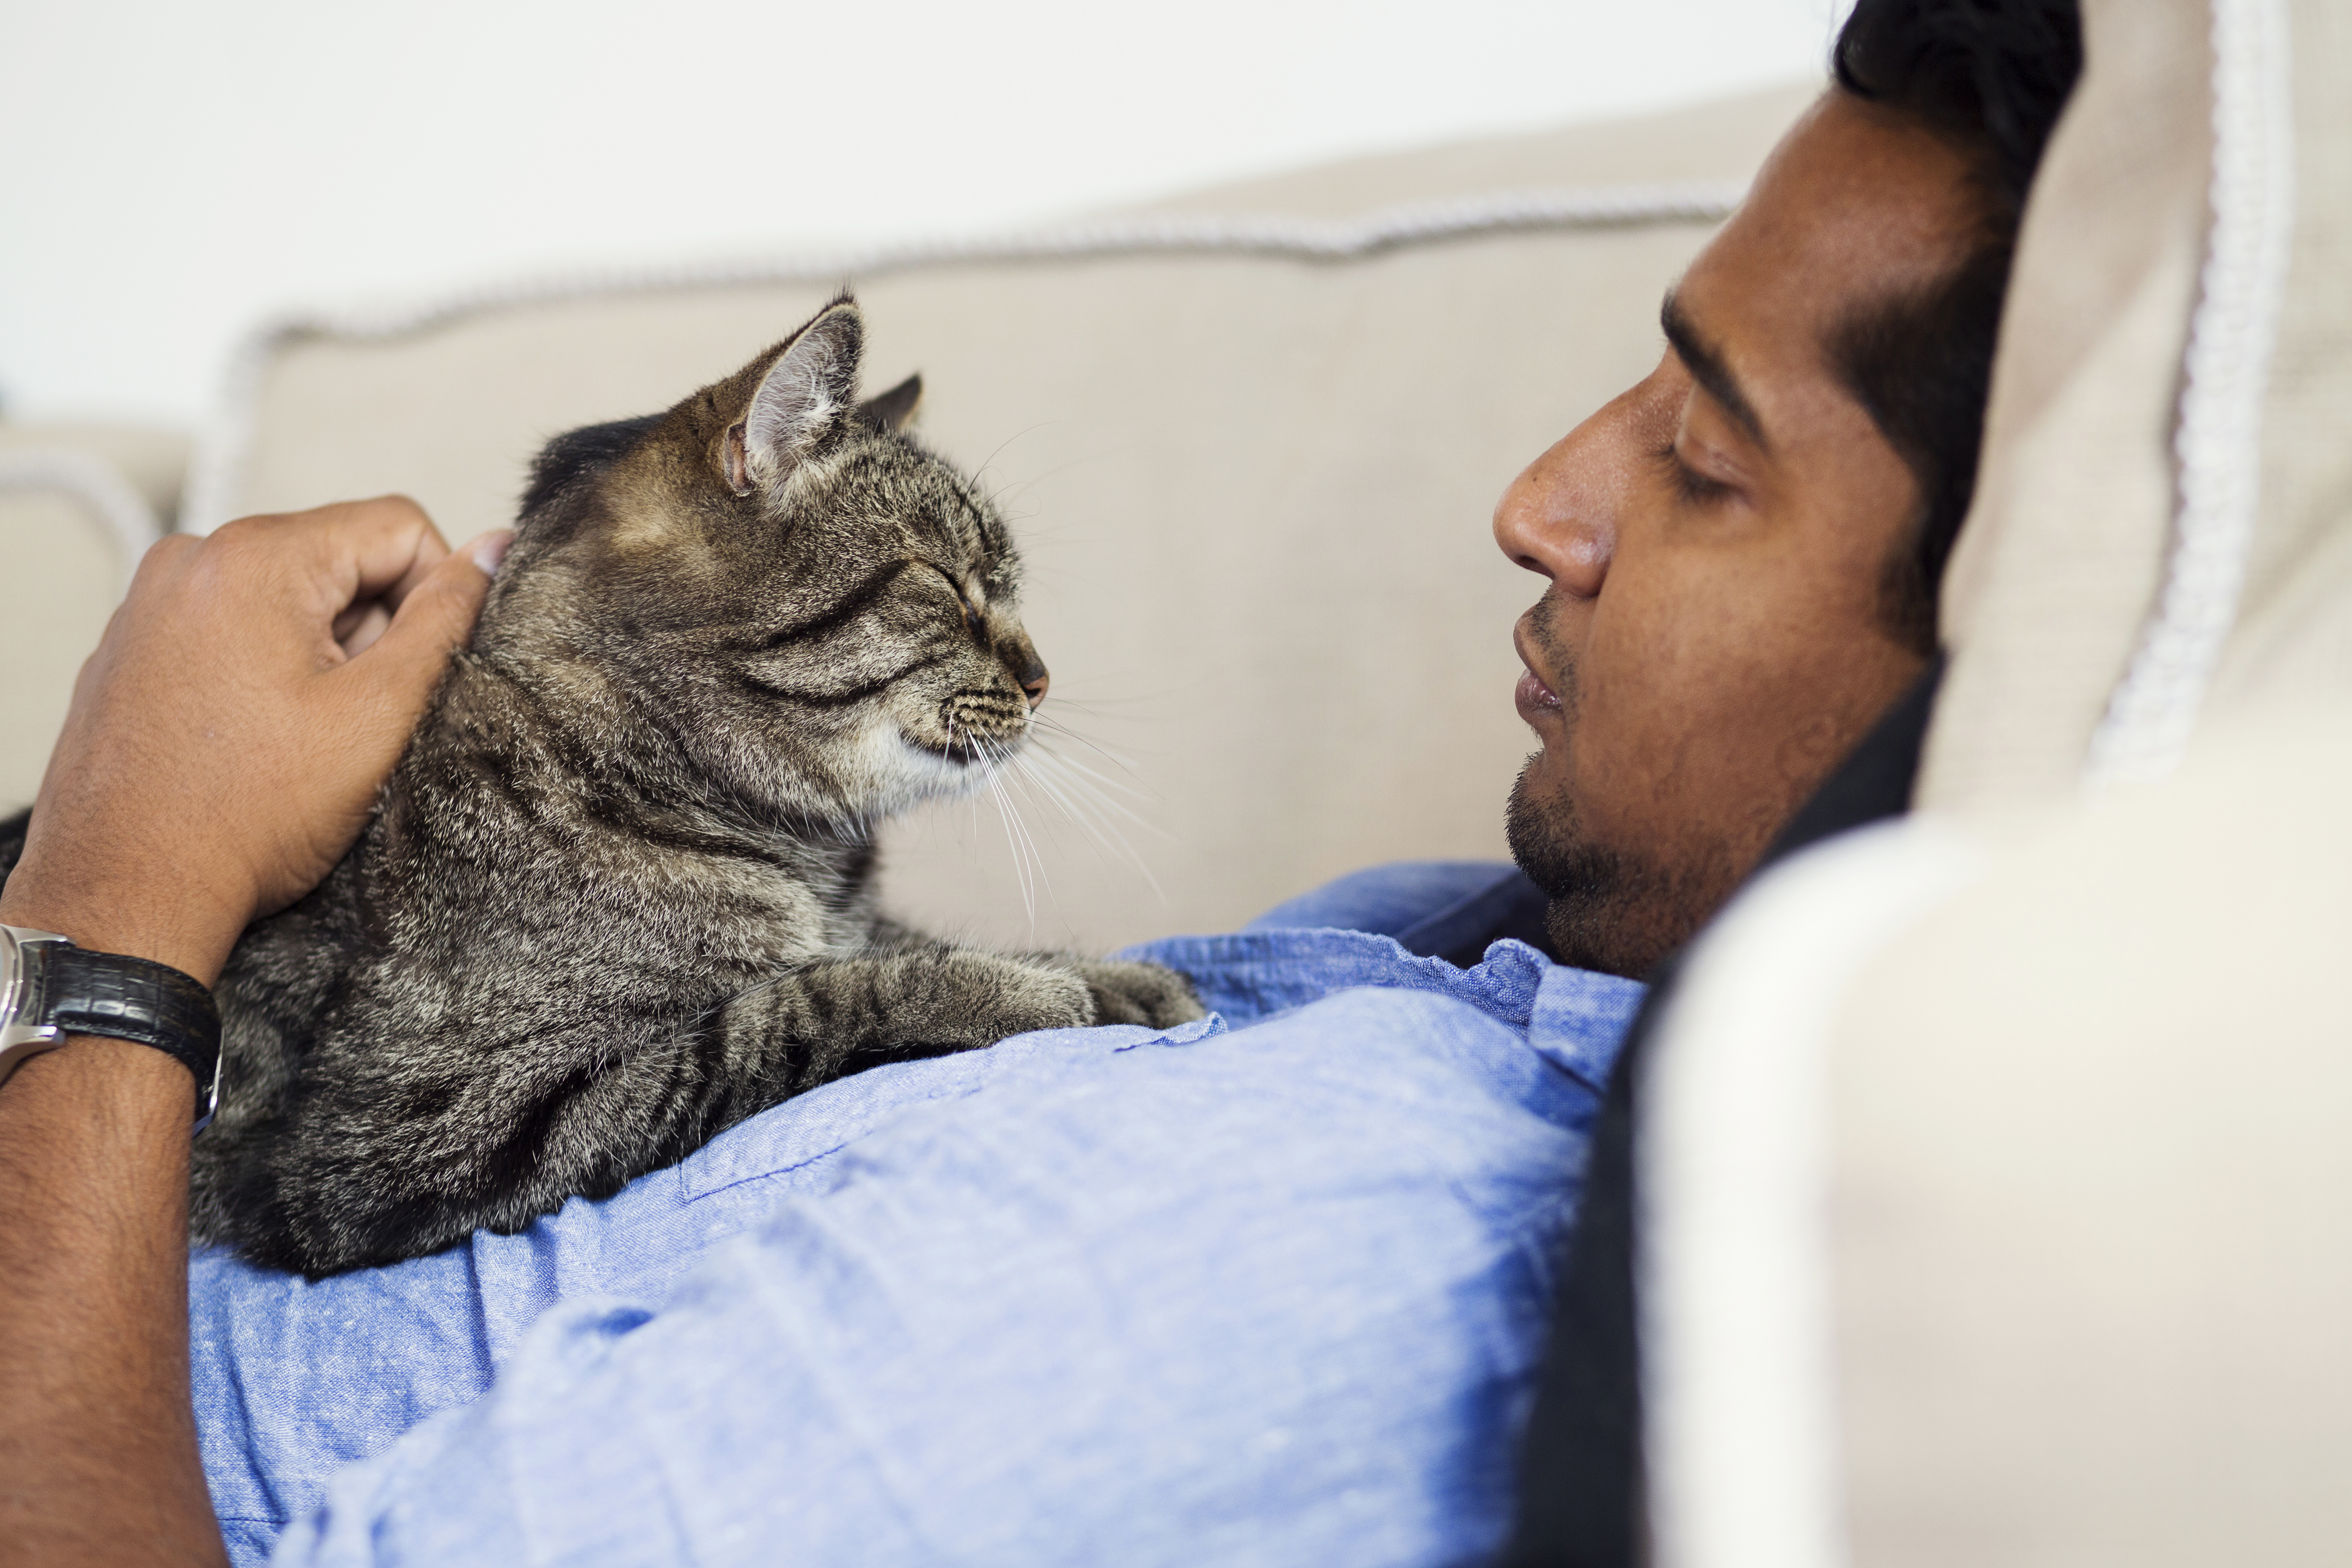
22	1037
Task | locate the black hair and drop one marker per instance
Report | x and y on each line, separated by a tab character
1990	76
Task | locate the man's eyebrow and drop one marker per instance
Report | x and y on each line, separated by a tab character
1707	367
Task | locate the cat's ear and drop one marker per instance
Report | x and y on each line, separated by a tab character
891	410
809	389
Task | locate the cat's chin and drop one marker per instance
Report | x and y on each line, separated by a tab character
963	765
925	771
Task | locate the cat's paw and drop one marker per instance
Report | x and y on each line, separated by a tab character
1148	994
997	997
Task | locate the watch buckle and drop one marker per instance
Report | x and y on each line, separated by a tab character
20	1000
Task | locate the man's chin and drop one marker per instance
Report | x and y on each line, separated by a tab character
1611	911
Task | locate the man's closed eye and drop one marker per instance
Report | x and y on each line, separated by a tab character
1696	488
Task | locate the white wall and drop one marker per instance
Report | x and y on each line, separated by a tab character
171	171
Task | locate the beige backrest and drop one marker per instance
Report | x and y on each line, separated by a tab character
79	505
1252	440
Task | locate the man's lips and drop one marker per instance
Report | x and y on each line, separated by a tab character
1531	697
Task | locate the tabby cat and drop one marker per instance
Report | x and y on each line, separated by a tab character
618	894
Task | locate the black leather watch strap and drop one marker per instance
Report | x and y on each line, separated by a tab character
126	998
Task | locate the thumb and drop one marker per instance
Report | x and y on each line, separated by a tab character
433	622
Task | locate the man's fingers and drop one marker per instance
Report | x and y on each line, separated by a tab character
348	552
357	628
433	619
382	548
431	550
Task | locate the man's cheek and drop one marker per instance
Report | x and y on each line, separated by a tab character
1670	736
1611	771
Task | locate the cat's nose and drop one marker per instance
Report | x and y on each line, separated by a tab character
1034	680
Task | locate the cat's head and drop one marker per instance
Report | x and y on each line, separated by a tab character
772	595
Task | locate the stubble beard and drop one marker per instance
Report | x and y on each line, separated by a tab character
1612	908
1582	879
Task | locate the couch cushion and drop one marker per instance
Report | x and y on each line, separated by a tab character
2162	536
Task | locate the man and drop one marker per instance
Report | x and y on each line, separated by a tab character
1985	83
1270	1295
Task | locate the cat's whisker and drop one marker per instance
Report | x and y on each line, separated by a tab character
1085	797
1072	795
988	464
1036	854
1024	774
1063	732
1099	842
987	773
1013	840
1105	793
1014	490
1032	769
1039	876
1028	862
1135	857
1101	791
1124	764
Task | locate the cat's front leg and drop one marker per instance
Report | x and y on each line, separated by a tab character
1124	992
838	1017
827	1020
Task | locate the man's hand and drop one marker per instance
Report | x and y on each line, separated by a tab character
228	738
223	748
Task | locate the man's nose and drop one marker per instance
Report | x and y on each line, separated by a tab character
1545	525
1563	516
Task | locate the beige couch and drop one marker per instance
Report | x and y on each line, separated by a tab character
1251	439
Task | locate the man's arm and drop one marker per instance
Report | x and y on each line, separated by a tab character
98	1444
223	749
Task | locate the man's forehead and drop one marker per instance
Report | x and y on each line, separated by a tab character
1856	205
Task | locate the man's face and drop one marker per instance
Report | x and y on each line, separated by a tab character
1715	636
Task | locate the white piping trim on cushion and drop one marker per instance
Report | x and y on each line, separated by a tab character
220	456
2219	443
122	513
1732	1183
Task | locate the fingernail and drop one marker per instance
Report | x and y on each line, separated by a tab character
491	549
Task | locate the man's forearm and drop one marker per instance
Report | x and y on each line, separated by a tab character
98	1461
224	747
98	1458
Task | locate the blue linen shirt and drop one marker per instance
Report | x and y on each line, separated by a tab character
1268	1287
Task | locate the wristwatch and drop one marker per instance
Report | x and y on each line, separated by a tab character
49	989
